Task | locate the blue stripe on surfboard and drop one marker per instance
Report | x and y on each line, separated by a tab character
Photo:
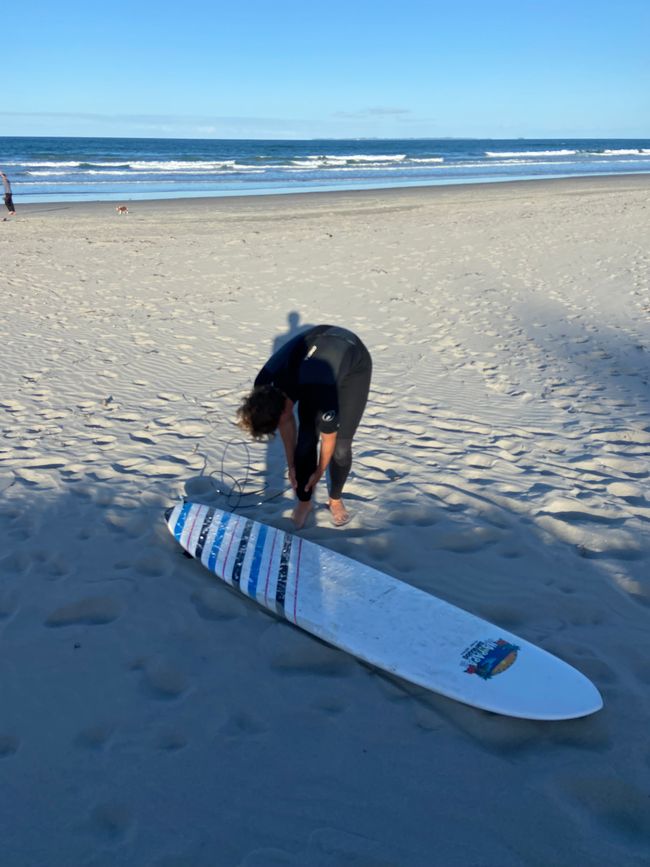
254	574
218	539
205	529
180	521
241	553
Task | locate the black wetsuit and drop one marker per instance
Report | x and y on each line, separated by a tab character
326	370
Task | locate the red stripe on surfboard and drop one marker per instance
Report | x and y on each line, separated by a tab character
196	517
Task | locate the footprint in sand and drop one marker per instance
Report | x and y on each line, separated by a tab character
111	821
633	494
17	562
132	524
8	604
292	652
242	724
92	611
95	737
467	542
171	741
217	603
152	564
408	516
569	527
615	804
191	429
201	487
51	565
160	679
8	745
269	857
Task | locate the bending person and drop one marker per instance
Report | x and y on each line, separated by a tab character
326	371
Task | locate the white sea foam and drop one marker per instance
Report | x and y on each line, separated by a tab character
366	169
505	163
67	164
46	164
318	160
180	165
623	153
558	153
153	168
249	170
369	158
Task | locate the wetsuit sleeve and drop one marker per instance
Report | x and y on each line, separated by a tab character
327	421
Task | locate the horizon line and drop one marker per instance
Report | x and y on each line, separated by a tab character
335	138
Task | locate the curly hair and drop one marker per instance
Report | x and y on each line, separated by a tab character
259	413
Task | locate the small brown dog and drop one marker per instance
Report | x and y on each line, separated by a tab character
122	209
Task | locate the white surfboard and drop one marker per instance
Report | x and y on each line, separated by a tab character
381	620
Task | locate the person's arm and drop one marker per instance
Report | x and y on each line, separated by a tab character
327	446
289	435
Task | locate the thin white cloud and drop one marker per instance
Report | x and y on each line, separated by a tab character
375	111
380	121
51	123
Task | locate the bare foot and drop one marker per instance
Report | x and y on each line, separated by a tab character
301	513
339	515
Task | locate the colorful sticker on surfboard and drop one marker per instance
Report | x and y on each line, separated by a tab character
489	657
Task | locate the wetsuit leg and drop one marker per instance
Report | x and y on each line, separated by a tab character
305	459
340	467
353	396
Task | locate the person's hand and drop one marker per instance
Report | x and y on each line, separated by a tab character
313	480
292	477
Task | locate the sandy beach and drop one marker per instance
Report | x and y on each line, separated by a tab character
152	718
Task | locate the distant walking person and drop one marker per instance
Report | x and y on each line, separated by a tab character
9	202
326	371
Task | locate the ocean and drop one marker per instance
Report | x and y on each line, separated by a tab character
124	169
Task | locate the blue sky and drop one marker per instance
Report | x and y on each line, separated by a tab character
206	69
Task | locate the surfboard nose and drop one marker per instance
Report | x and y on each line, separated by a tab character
168	513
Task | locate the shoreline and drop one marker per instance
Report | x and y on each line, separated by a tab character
238	202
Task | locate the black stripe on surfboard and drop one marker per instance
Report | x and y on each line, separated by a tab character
241	553
283	571
205	529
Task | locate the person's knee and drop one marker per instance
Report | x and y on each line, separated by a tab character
342	452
